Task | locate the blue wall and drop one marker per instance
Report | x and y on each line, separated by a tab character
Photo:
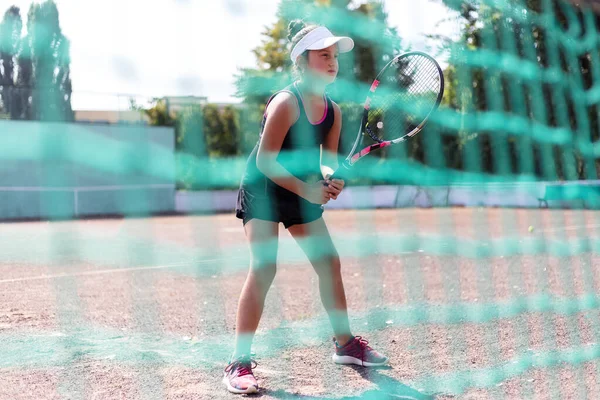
60	170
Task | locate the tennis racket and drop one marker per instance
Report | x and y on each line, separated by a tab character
402	98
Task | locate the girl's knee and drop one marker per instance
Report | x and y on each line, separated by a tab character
265	272
330	266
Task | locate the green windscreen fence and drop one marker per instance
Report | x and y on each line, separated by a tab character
470	254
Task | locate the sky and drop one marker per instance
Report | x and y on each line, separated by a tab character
161	48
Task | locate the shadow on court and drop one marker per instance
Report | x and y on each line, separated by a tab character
389	389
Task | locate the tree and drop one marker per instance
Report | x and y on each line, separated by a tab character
158	113
372	53
49	53
220	131
189	132
10	39
190	146
36	76
522	33
271	54
231	128
25	82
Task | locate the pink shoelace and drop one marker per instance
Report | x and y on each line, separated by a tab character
364	347
243	366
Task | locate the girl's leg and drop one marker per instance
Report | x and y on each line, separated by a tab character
262	236
315	241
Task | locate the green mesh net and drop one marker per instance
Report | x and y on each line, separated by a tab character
470	254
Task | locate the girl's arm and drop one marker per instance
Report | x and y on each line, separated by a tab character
282	113
329	153
329	149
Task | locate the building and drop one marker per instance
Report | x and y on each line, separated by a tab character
110	117
174	104
178	103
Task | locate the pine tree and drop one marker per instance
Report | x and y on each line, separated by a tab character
36	75
10	39
47	49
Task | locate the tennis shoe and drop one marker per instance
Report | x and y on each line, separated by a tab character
238	376
357	351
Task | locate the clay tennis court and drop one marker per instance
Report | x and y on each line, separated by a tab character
468	303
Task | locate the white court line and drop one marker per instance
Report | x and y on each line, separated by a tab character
234	229
568	228
108	271
83	188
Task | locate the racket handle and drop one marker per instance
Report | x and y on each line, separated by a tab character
339	173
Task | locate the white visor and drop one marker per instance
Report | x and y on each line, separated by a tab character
321	38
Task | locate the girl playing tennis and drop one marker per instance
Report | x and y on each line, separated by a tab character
283	182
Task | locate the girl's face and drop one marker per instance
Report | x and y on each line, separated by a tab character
323	64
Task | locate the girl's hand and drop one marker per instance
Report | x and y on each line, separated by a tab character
317	193
334	187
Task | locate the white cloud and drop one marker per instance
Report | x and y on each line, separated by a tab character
236	7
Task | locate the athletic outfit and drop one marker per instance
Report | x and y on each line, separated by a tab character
259	197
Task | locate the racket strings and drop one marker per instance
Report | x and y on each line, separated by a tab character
428	84
427	78
415	83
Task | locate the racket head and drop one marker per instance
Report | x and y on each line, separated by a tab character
406	92
401	99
